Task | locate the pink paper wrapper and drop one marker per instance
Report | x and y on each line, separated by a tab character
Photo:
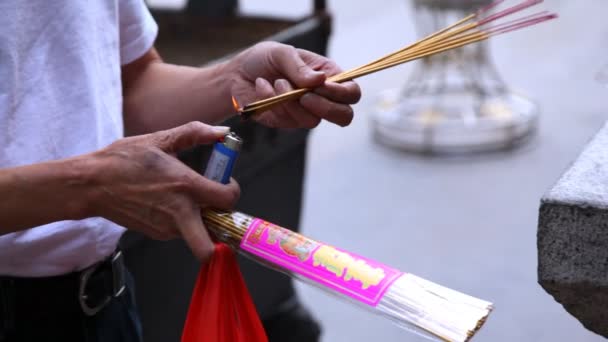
357	277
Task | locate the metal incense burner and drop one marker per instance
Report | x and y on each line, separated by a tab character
454	102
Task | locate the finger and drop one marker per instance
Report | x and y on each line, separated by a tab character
263	88
277	117
209	193
320	63
345	93
287	60
161	231
195	234
277	120
151	230
188	135
303	117
338	113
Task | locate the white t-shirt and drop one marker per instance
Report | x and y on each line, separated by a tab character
61	96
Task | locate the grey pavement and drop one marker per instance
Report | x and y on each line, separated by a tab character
469	224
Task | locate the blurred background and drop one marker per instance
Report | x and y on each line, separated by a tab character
467	222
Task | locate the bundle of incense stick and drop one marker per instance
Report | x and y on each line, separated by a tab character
474	28
418	305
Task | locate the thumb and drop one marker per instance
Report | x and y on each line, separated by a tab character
189	135
298	72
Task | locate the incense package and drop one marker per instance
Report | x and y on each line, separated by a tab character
411	302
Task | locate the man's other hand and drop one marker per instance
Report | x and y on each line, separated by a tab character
141	185
269	68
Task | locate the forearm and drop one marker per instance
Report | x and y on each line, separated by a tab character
42	193
161	96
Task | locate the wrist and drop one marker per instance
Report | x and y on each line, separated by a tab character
83	180
221	77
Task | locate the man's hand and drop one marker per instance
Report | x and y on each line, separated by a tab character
153	88
142	186
270	68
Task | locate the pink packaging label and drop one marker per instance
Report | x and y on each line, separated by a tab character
352	275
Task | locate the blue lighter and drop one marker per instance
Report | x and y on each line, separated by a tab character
222	160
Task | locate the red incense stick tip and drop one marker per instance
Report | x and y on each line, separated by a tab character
510	23
510	10
519	24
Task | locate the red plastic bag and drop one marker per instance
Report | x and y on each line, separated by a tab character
221	309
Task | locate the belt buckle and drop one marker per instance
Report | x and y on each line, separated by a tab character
118	275
118	284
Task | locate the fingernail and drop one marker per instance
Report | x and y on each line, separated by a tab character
317	74
282	84
306	97
221	129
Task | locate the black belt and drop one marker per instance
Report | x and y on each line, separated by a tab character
85	292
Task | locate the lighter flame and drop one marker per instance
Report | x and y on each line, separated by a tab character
235	104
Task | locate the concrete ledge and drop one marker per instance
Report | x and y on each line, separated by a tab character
573	237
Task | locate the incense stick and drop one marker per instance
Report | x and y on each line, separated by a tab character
296	93
469	30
